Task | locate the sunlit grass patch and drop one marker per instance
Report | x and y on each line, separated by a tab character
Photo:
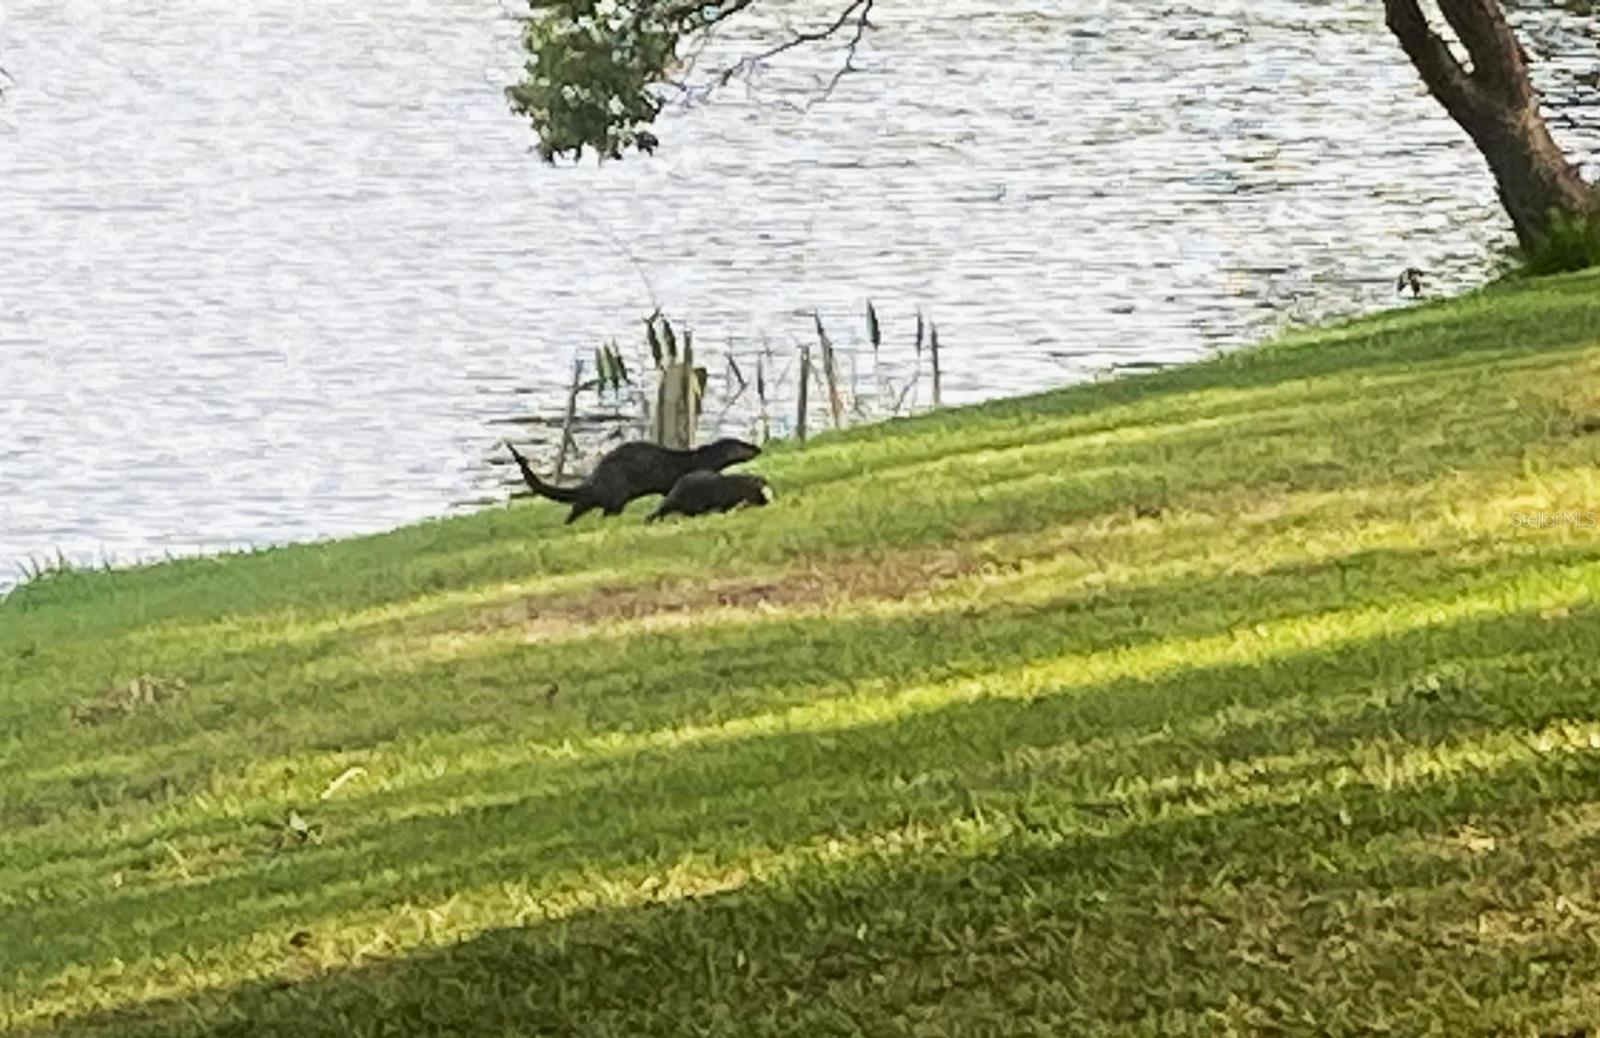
1238	698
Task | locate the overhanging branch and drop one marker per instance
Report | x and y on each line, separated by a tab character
858	10
854	19
594	74
703	15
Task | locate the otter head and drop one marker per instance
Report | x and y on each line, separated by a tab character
760	493
719	454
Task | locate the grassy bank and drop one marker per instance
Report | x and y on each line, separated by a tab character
1236	699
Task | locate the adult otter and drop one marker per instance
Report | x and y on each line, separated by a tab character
705	491
635	470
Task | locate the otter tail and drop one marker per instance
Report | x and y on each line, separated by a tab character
565	495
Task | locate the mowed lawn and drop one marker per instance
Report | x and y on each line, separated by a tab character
1239	699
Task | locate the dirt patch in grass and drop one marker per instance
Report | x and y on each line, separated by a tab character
889	578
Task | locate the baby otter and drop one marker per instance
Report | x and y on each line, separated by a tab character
705	491
635	470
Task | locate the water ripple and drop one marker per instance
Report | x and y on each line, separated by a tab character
275	271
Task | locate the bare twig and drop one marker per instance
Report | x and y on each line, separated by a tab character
681	13
911	384
801	404
830	372
854	15
733	369
566	426
858	9
707	36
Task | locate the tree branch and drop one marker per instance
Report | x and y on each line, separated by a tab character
681	14
594	80
858	9
1494	104
1441	72
855	14
1498	61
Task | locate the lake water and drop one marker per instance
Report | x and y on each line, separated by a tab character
276	271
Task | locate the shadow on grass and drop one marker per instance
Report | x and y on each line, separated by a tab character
1318	916
552	824
731	668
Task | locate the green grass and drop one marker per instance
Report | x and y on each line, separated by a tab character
1573	243
1233	699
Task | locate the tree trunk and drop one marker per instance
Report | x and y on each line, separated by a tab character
1496	104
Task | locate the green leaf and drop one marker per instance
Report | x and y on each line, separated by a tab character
590	82
655	343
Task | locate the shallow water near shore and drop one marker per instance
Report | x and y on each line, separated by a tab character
279	271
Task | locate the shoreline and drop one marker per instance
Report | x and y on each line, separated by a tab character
25	570
1165	702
